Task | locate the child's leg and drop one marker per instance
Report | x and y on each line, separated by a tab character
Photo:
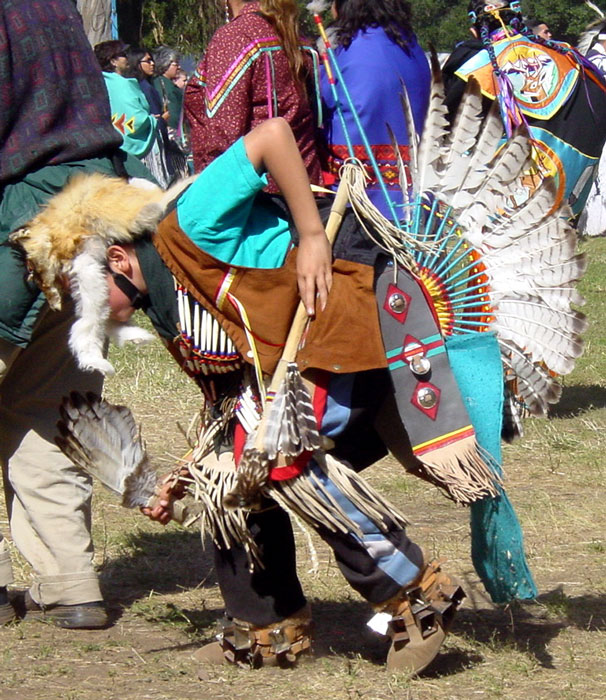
267	620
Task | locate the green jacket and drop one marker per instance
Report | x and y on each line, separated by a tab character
172	97
21	300
54	122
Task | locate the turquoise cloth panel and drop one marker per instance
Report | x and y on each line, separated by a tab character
219	213
497	546
130	114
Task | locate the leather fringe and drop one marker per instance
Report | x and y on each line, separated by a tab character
463	472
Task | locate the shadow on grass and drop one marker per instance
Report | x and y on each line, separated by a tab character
340	630
530	626
515	627
585	612
173	561
163	562
578	399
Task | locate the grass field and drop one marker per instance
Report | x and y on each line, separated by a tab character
161	590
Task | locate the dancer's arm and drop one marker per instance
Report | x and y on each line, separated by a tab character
271	147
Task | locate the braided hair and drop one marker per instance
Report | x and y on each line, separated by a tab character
491	20
488	17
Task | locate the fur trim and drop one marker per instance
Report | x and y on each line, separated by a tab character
317	6
89	205
66	246
89	333
122	333
88	282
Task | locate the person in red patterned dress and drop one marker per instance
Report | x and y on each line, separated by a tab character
255	67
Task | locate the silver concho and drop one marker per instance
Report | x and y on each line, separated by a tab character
397	303
420	364
427	397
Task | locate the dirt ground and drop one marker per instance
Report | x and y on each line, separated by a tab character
162	594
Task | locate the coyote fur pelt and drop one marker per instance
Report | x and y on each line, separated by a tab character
89	205
66	247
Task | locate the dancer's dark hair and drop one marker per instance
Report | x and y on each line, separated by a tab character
106	51
394	16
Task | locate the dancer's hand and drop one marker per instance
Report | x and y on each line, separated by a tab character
271	147
314	270
160	511
168	490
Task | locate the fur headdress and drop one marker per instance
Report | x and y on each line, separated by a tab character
66	245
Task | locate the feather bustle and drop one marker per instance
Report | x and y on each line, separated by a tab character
434	131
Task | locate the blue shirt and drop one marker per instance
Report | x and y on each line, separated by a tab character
218	212
373	68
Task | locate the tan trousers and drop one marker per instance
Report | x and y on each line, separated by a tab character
48	498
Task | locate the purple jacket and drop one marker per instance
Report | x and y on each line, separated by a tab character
54	105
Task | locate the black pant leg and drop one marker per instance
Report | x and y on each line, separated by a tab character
266	595
361	570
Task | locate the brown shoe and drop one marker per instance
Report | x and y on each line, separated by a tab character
421	616
246	645
211	653
84	616
7	612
